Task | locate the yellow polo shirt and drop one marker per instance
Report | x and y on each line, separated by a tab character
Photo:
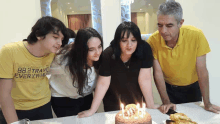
28	73
179	63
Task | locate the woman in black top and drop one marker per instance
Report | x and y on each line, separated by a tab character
125	71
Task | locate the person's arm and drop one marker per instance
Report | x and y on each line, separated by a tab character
56	68
100	90
203	79
160	83
7	104
144	80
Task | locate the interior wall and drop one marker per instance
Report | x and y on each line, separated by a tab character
204	14
151	21
111	18
84	12
147	21
17	19
141	22
58	12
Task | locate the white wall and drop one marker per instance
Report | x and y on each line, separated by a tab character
204	14
147	21
58	12
17	18
141	22
111	18
151	21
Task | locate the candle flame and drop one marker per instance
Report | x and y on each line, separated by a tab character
143	109
122	106
144	106
138	106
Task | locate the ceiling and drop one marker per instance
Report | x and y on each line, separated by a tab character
84	6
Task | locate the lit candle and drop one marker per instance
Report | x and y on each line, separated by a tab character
128	113
138	106
143	109
131	111
122	107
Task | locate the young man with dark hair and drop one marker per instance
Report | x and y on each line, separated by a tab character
24	87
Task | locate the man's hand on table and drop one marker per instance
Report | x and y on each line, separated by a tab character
212	108
164	108
85	113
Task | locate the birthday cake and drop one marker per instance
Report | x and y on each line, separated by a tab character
132	114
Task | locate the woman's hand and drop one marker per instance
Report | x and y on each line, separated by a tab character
85	113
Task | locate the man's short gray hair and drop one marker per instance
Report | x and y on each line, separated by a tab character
171	8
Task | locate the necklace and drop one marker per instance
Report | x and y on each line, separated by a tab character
127	64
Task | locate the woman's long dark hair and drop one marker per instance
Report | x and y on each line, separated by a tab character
76	54
129	27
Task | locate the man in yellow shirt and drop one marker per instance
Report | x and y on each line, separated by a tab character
180	71
24	87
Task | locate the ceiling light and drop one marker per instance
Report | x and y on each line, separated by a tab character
70	8
72	11
149	4
68	3
140	9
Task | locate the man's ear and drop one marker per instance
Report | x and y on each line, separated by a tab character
39	38
181	23
37	35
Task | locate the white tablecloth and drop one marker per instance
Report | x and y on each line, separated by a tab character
193	110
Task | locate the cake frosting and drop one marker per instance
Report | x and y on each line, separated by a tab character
132	116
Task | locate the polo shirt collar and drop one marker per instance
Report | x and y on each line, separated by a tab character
163	43
180	39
